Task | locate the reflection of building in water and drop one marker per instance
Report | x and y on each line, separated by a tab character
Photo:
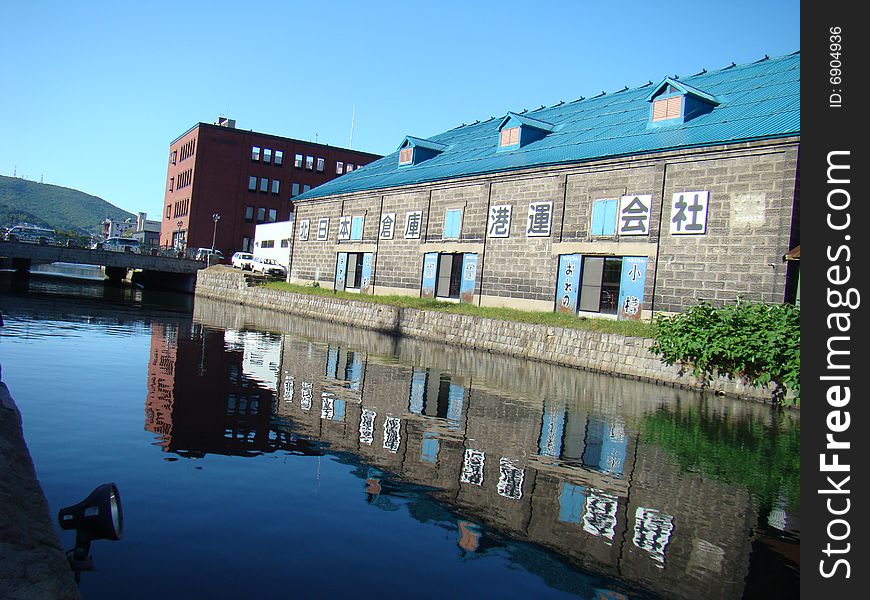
205	397
161	380
261	355
570	474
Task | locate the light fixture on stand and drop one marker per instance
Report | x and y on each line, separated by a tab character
97	517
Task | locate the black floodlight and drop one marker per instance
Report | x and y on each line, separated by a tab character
97	517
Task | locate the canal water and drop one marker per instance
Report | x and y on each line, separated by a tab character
264	456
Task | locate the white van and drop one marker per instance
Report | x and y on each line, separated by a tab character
31	234
119	244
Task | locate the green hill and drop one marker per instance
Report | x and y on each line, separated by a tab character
53	206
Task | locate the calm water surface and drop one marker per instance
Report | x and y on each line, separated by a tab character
263	456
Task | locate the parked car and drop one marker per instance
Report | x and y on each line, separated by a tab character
268	266
119	244
31	234
204	254
242	260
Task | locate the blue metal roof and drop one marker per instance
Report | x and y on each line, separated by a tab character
524	120
760	100
422	143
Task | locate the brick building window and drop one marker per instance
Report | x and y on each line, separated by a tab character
321	164
273	215
339	168
255	153
279	158
168	211
264	184
252	183
276	185
261	215
249	214
297	161
349	168
294	190
267	155
309	162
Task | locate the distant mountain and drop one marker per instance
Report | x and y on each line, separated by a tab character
23	201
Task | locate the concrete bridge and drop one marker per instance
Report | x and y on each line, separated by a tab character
158	272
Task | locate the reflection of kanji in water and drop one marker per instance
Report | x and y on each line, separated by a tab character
472	467
288	389
652	532
510	479
367	426
392	435
327	408
307	392
600	516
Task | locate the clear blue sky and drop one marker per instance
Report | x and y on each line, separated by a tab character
93	92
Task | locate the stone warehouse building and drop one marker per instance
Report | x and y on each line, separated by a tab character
646	199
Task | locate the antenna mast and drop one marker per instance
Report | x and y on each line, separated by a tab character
352	121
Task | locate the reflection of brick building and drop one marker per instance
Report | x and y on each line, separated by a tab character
161	380
246	177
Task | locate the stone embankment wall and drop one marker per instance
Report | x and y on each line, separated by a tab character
609	353
32	561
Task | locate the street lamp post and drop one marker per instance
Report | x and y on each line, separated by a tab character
178	243
215	217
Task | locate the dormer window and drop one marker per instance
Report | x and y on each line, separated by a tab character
667	108
406	156
674	102
413	151
509	137
516	131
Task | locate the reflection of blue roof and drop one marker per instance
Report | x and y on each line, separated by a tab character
760	100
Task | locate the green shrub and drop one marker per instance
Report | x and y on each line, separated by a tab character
760	342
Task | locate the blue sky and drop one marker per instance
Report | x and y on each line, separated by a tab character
93	92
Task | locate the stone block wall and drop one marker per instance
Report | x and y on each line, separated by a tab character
752	211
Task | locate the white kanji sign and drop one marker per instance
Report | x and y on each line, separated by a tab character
634	213
689	213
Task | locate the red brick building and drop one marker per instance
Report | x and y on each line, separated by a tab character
244	176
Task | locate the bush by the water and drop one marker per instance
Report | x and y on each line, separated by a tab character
760	342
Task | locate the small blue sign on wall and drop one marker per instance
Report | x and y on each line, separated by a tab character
430	270
631	285
568	282
469	277
341	271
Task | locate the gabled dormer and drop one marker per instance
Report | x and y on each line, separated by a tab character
674	102
413	151
516	131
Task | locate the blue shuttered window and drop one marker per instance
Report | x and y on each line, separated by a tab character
604	217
